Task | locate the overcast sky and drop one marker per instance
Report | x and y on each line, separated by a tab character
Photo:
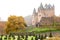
23	7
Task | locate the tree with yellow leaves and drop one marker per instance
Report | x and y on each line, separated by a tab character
15	23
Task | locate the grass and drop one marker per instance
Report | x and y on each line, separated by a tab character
40	30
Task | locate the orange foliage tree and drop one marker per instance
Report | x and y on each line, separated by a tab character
15	23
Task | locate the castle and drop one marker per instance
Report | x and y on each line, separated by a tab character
43	11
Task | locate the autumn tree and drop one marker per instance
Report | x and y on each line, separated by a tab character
15	23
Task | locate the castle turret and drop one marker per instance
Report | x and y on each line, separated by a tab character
45	5
40	7
53	6
48	6
33	17
46	11
34	11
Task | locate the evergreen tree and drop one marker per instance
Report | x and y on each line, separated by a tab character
22	36
36	38
11	35
26	37
1	37
29	34
18	37
41	37
32	38
6	37
45	36
50	35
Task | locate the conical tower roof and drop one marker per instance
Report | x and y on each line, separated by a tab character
40	7
34	11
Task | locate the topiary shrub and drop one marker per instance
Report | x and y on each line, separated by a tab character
36	38
45	36
50	35
41	37
26	37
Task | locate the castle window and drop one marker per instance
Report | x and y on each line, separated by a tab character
39	15
44	14
33	21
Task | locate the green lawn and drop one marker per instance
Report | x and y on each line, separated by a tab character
32	29
40	30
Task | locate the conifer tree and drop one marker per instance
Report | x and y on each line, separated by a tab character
32	38
36	38
26	37
45	36
50	35
41	37
18	37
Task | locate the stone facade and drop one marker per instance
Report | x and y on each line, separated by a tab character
43	11
2	27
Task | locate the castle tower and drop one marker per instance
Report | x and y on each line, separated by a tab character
33	17
40	7
40	11
46	11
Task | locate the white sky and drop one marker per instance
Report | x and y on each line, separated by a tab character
23	7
